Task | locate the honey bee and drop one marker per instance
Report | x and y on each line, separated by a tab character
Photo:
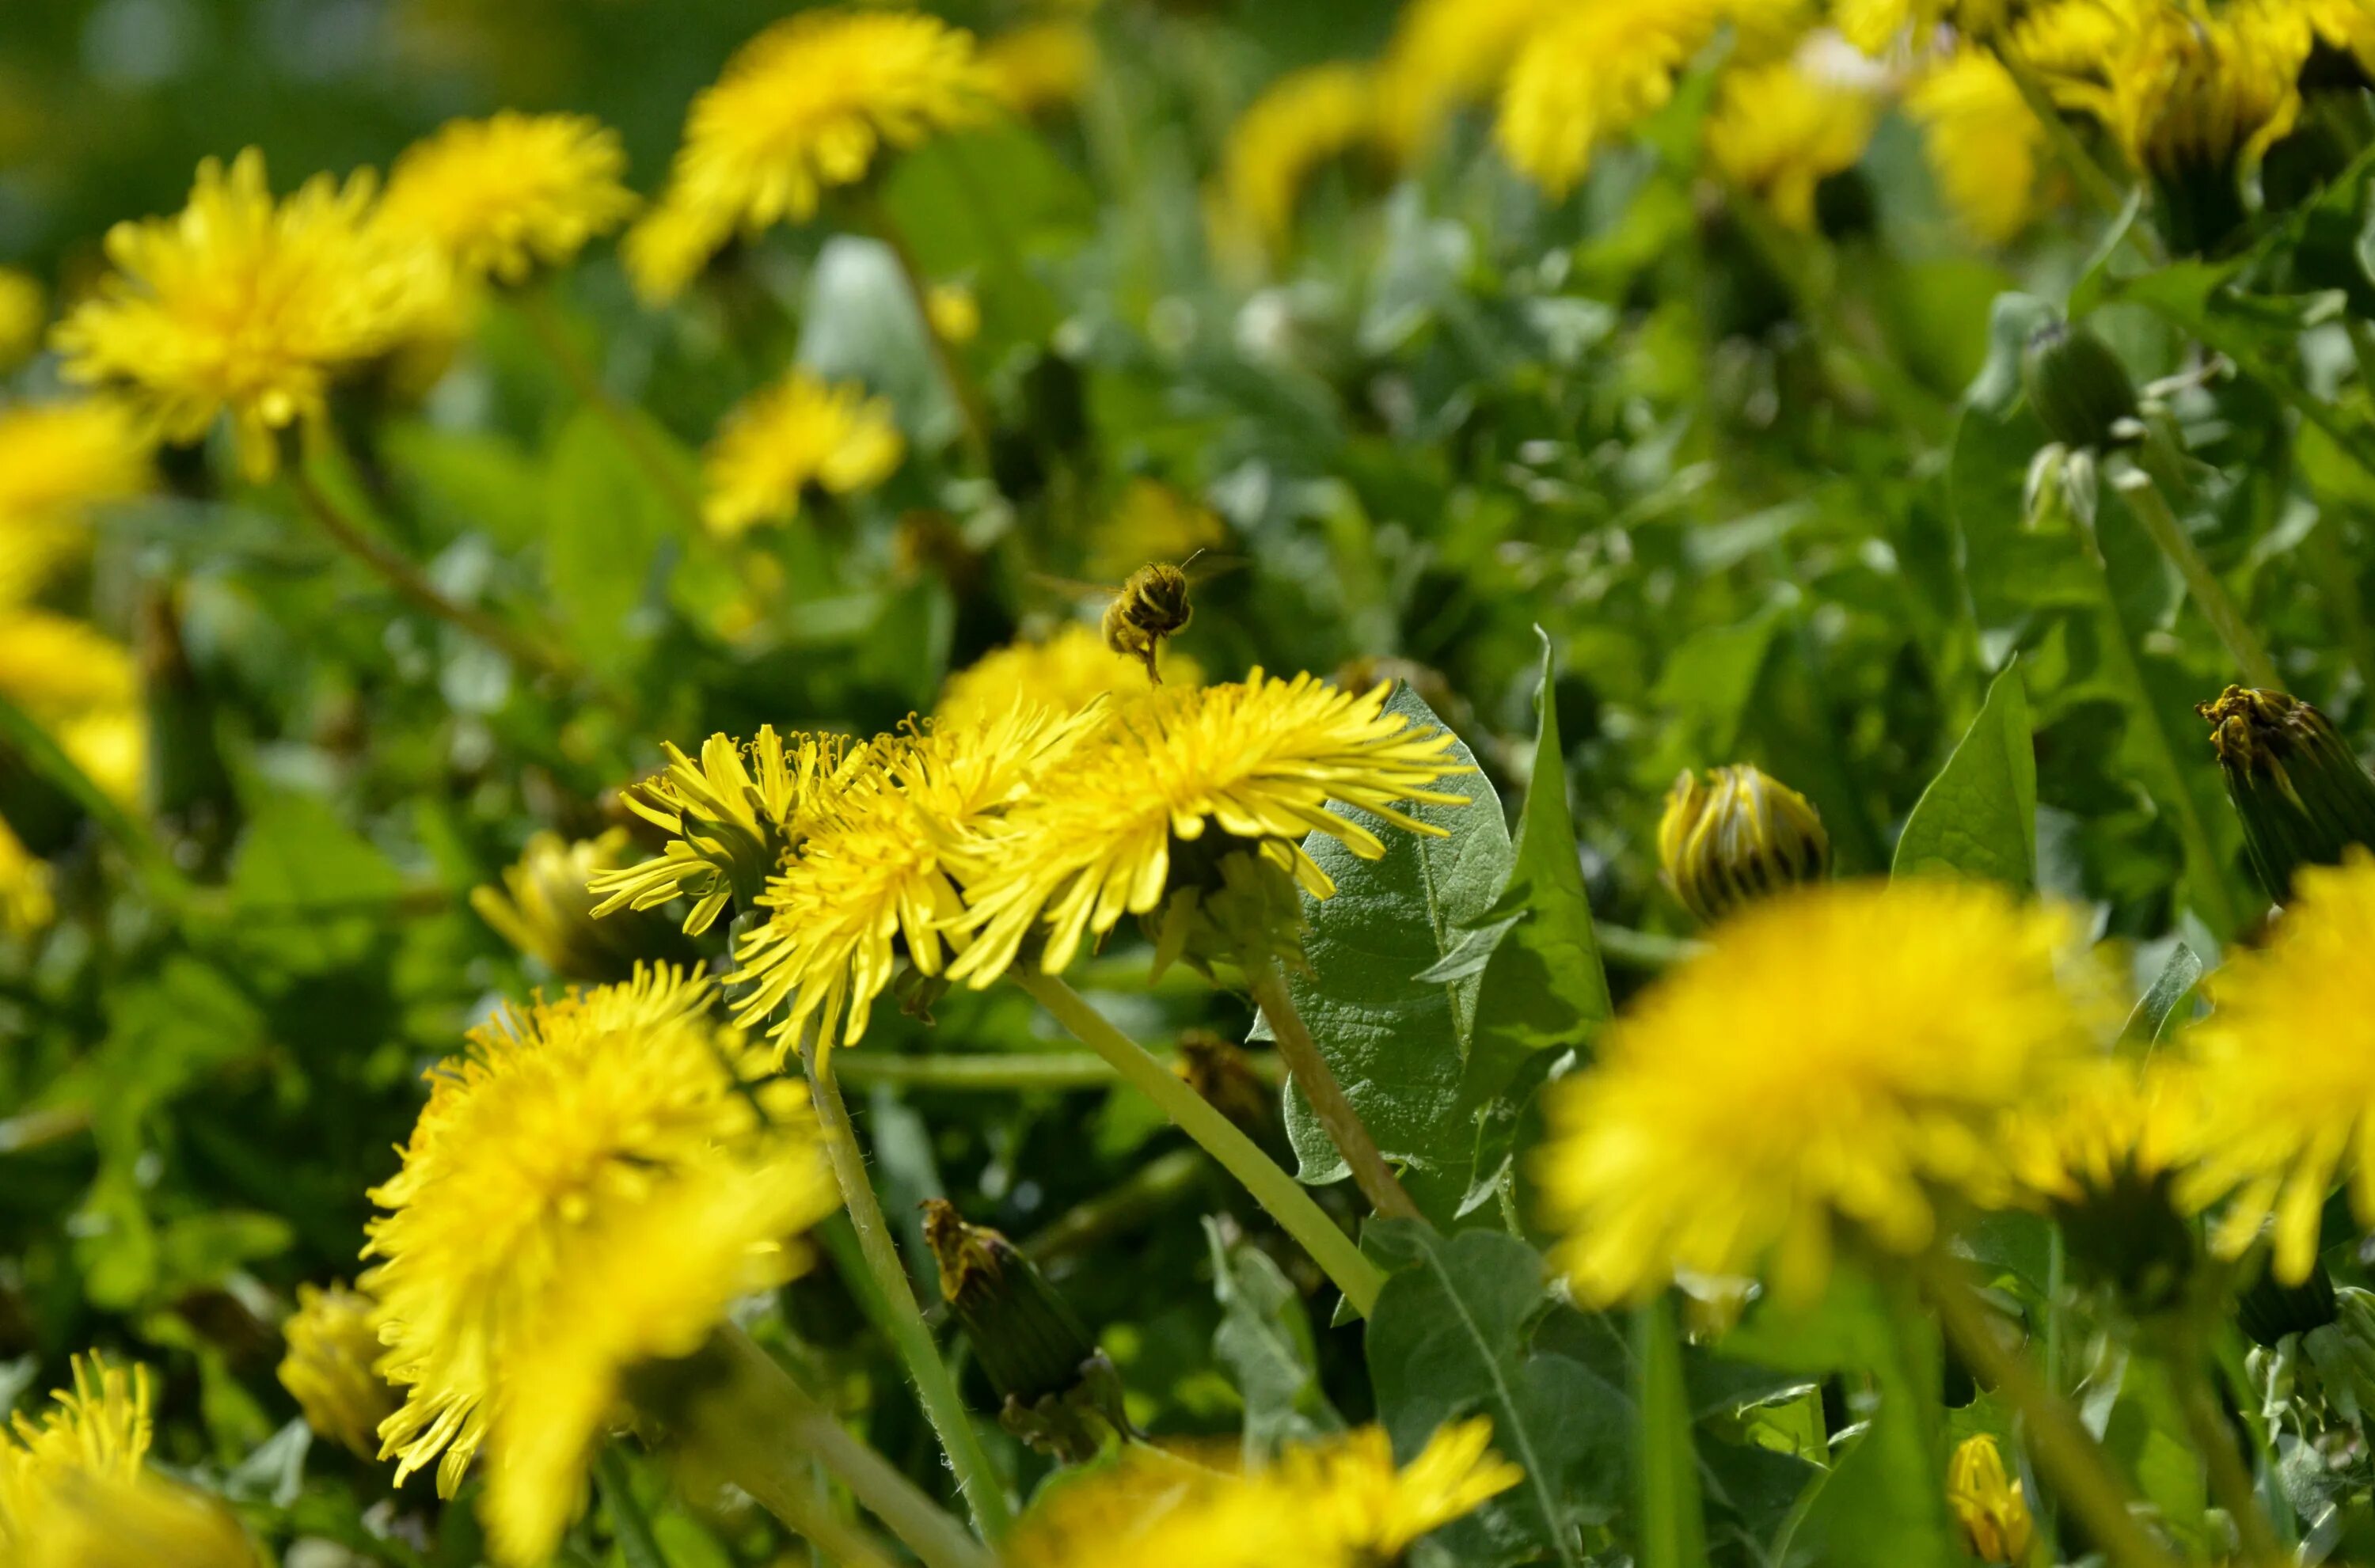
1151	606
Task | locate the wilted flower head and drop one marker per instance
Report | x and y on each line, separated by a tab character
1261	760
1735	836
1300	122
799	432
734	814
1836	1058
588	1187
1339	1503
2287	1064
330	1366
802	108
1066	672
242	307
1780	130
499	196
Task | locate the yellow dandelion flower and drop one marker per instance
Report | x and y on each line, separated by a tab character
1066	672
1876	26
1153	521
1261	760
2347	26
2069	43
732	816
1039	68
1369	1511
23	310
1983	145
1592	76
333	1347
27	901
2198	92
245	308
574	1163
59	462
1299	122
1986	1504
879	868
1837	1056
1779	130
55	667
1444	55
99	1426
669	245
545	908
2288	1064
2102	1154
1737	835
804	107
799	432
497	198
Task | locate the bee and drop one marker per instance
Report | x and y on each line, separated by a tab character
1151	606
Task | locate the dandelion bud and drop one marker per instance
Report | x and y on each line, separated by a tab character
2078	387
1028	1341
1986	1504
545	909
332	1342
2302	795
1736	836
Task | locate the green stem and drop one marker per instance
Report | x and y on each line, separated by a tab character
2071	1461
961	387
2230	1483
1276	1191
1018	1072
2151	508
629	1524
979	1483
551	334
2091	176
1308	1067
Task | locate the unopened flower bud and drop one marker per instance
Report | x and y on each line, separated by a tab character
545	909
1987	1503
333	1345
2078	387
1735	836
2302	796
1031	1345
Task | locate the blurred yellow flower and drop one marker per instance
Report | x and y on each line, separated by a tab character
1779	130
953	313
1986	1504
1983	145
1153	521
329	1366
1066	672
499	196
802	108
1039	67
1876	26
99	1427
27	902
1338	1504
2287	1064
1837	1056
2192	92
59	462
24	312
1591	75
82	686
589	1184
1300	122
879	867
545	908
799	432
1444	55
245	308
667	247
2114	1125
1261	761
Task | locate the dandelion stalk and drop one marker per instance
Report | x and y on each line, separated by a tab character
2075	1465
552	335
2151	509
1277	1192
942	1404
1371	1173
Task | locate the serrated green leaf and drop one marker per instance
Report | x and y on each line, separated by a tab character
1979	815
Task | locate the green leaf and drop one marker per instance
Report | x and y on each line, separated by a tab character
316	882
1979	815
1448	1339
2157	1008
1674	1524
1265	1341
1399	1044
605	521
859	322
981	205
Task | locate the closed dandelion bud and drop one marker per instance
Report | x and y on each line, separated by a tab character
1030	1343
1986	1504
2078	387
545	909
2302	795
333	1343
1735	836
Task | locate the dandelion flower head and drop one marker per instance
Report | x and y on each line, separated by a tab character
1261	760
1445	53
1780	130
1837	1057
499	196
81	686
1298	123
2286	1058
805	107
1988	1508
328	1368
802	431
60	462
1983	145
244	307
731	817
568	1166
1066	671
1038	66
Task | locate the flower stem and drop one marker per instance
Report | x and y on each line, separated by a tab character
2151	508
961	387
2071	1460
414	587
630	1525
983	1491
1312	1074
1273	1188
544	323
